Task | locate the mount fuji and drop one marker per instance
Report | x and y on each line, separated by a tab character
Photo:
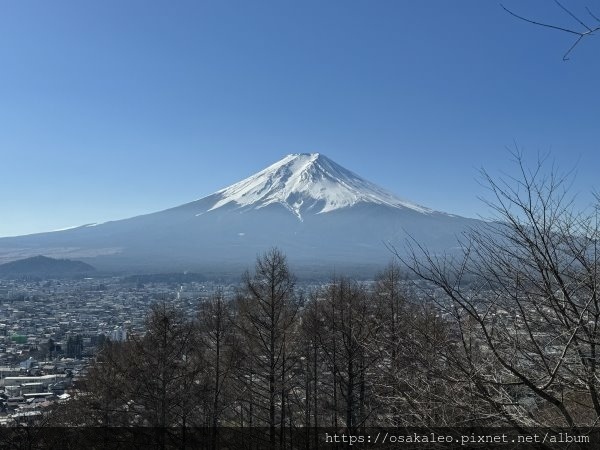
319	213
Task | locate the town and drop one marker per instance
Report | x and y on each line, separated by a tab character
50	331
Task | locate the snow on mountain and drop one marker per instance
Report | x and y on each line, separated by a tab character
307	182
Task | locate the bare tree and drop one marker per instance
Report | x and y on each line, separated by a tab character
523	298
413	341
220	354
162	364
103	397
346	331
267	320
313	406
148	380
583	32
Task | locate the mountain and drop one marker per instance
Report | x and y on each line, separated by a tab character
43	267
321	214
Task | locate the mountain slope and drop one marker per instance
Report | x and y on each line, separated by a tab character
312	208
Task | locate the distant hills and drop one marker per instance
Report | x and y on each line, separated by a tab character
44	267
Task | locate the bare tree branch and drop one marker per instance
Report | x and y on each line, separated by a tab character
580	34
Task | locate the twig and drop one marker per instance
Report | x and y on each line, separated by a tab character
580	34
572	15
567	30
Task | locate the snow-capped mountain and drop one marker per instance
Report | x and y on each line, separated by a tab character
308	182
318	212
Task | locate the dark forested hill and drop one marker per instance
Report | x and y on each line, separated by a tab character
44	267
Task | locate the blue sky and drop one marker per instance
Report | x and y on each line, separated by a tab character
116	108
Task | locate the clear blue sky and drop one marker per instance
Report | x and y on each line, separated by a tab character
110	109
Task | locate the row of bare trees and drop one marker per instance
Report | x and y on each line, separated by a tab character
347	354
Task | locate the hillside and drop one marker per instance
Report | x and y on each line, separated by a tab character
44	267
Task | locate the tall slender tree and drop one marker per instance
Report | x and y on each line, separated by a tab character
267	320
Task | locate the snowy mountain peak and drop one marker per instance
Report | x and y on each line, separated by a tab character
307	182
